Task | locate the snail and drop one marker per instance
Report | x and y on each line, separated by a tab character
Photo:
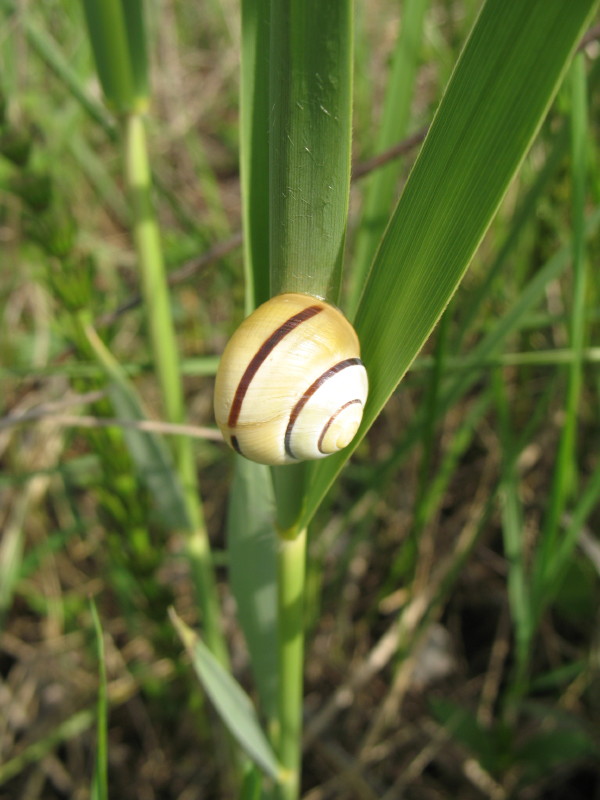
291	386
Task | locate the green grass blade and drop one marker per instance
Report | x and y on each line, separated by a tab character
254	148
559	737
311	82
468	370
430	403
100	779
500	91
11	553
530	294
155	292
430	502
230	700
566	462
166	357
48	50
135	29
588	501
94	167
108	38
116	35
457	447
382	185
512	519
525	212
251	786
149	453
251	544
495	102
63	732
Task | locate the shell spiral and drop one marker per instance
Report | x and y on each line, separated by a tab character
291	386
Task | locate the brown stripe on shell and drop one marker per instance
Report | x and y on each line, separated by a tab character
332	418
347	362
263	352
236	445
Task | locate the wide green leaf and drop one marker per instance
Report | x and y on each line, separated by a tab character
495	102
309	145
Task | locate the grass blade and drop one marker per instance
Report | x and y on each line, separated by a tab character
151	456
566	462
48	50
69	729
11	553
230	700
100	779
311	97
511	513
254	148
588	501
382	185
116	34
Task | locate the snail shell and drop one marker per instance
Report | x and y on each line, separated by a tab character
291	385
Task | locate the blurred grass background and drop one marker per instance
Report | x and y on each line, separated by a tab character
438	663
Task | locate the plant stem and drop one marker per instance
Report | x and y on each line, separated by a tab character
291	559
152	273
166	358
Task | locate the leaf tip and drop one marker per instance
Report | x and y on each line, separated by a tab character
186	634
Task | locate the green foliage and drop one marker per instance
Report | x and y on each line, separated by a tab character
472	484
15	144
309	144
100	780
117	34
548	739
380	191
152	459
234	706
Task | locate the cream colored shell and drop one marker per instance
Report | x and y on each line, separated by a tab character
291	385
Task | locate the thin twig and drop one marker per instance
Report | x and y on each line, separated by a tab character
48	409
395	151
152	426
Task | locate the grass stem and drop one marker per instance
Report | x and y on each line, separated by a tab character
166	358
291	558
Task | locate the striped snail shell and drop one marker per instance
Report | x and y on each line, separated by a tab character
291	385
